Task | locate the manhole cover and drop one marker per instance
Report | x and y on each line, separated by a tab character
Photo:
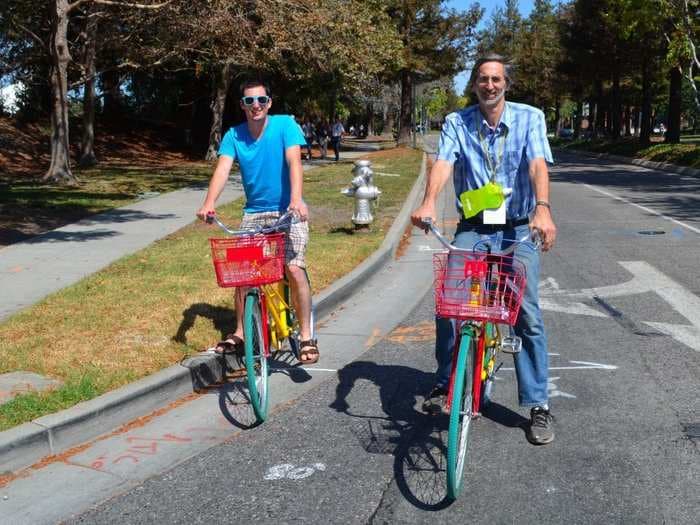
651	232
692	430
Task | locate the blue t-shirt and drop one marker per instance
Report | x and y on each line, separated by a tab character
264	168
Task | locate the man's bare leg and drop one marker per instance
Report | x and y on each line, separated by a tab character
301	299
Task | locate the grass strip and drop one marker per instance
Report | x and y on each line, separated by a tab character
149	310
687	153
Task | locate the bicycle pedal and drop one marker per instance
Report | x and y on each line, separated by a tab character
511	344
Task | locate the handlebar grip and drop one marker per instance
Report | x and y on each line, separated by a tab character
210	218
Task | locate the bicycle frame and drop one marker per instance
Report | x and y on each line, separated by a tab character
478	337
277	306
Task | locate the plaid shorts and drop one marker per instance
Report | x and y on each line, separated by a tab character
297	235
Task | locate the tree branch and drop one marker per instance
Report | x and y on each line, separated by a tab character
31	33
129	4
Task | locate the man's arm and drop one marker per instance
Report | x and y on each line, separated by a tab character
439	174
216	185
296	181
542	218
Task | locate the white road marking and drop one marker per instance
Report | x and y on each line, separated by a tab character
649	210
580	365
289	471
645	278
553	391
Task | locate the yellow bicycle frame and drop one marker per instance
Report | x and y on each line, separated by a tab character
277	308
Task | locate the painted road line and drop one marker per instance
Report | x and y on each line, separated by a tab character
580	365
649	210
645	278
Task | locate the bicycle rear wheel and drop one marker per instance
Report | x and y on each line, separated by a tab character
255	355
460	415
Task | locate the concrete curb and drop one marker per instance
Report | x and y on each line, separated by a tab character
663	166
56	433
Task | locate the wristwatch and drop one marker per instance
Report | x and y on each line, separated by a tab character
543	203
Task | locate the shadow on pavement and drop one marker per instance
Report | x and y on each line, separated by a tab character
505	416
235	406
417	441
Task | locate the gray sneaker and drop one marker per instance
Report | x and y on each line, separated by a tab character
434	404
540	431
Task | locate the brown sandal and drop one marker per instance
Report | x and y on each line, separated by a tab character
231	345
309	350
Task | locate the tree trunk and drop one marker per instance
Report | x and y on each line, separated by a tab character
111	93
616	106
645	128
628	121
87	149
59	170
673	131
577	119
405	116
557	117
600	109
218	105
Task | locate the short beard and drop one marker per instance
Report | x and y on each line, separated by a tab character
489	102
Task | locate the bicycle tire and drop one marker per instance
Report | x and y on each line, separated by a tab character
487	384
460	415
255	356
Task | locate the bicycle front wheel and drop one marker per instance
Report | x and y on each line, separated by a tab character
460	415
255	355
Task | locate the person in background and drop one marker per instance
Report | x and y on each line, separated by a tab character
337	132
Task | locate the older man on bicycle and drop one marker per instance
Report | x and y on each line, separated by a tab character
268	151
504	144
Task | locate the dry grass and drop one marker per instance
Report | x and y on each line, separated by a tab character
149	310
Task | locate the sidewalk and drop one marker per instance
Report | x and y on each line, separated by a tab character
32	269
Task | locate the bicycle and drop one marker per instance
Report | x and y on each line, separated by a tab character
482	292
255	259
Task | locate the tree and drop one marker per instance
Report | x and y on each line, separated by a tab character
436	43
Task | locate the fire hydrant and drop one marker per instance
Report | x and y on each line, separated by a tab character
362	189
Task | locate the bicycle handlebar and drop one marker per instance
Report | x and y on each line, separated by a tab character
533	244
287	218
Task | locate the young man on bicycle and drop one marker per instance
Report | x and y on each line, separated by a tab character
505	143
268	151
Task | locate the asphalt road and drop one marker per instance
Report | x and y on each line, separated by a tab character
621	298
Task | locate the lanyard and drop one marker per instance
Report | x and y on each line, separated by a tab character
493	166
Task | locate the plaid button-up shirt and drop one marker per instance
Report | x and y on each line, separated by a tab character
519	138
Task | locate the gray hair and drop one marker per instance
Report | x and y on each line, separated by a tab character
491	57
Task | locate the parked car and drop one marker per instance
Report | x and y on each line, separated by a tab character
566	133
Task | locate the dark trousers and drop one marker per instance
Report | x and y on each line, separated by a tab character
335	142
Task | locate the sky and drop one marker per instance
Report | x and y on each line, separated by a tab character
490	6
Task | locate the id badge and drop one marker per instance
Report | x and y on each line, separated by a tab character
495	215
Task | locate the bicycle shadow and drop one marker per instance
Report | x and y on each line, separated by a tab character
235	405
417	441
224	320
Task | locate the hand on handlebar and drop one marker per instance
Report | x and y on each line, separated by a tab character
205	213
423	217
542	222
299	209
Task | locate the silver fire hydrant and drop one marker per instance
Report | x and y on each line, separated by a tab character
362	189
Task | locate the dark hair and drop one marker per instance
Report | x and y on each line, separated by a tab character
492	57
254	82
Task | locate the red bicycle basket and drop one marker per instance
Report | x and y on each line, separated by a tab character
248	260
479	287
